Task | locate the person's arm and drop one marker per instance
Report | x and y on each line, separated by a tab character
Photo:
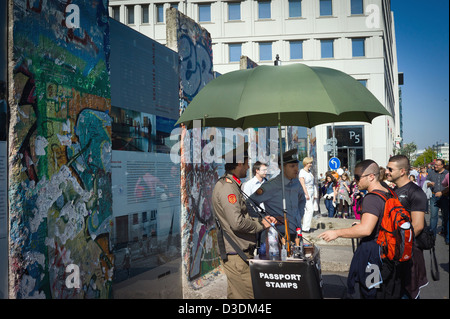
364	229
418	221
418	207
346	186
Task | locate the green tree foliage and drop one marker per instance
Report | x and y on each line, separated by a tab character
426	157
408	150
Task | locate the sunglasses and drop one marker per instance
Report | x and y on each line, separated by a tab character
358	177
390	169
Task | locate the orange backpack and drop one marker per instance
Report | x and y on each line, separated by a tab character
396	234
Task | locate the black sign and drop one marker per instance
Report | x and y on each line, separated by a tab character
291	279
347	136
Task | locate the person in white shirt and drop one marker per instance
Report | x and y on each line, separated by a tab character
259	171
307	181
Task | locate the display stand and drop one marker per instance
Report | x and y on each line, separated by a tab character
291	279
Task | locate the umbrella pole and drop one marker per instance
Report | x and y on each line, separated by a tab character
286	223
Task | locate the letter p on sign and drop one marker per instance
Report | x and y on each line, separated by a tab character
73	279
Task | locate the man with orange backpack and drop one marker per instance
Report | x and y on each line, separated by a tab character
377	275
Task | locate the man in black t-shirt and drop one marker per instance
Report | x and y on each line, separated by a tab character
414	200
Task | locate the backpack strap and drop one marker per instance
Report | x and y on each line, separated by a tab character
382	194
379	194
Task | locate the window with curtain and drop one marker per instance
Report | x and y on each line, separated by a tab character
295	8
235	52
296	50
356	7
265	51
234	11
160	13
144	11
204	12
326	8
130	14
264	10
326	48
358	47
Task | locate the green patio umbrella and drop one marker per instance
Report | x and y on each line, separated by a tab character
294	95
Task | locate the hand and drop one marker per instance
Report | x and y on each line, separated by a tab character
430	184
307	196
438	194
329	235
267	220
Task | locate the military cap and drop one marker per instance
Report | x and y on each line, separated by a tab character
290	156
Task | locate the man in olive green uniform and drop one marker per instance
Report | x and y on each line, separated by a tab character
232	215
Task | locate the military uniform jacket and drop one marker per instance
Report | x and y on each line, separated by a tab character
270	193
229	207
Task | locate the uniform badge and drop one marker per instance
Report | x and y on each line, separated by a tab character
259	191
232	198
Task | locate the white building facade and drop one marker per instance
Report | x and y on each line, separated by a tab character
353	36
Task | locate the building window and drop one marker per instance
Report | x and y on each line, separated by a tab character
296	50
235	51
144	9
264	10
160	13
130	14
326	49
295	8
204	12
363	82
358	49
174	5
326	8
234	11
115	14
265	51
135	219
356	6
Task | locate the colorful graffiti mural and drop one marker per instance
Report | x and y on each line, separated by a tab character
60	151
199	239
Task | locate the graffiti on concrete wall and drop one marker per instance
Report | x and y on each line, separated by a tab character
60	151
195	64
194	46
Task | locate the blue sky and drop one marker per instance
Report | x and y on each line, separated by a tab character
422	34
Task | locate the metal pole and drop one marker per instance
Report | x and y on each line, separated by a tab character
334	144
286	223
